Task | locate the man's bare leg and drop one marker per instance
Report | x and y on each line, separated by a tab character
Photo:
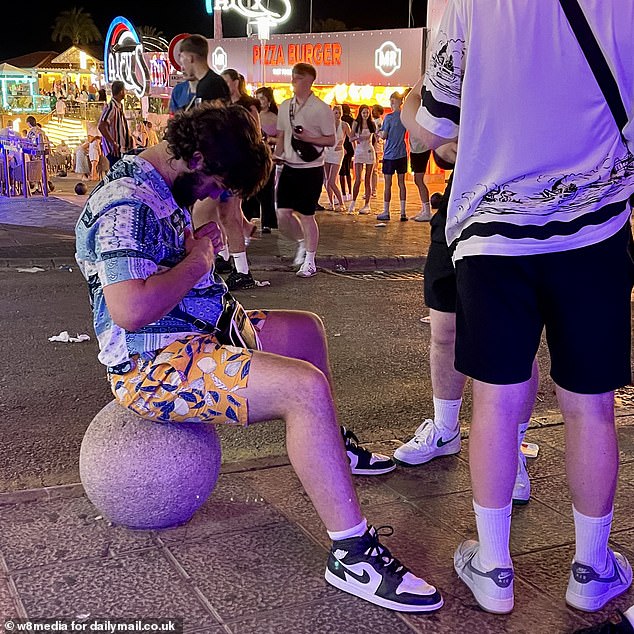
298	393
446	382
592	453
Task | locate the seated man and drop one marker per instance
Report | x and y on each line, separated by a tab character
146	269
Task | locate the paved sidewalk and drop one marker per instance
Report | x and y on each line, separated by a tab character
40	230
252	560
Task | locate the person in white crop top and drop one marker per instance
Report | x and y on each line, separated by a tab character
332	161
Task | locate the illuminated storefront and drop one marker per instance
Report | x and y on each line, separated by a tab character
352	67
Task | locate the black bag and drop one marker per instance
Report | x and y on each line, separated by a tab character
305	150
233	328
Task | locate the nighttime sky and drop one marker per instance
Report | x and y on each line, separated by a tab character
27	27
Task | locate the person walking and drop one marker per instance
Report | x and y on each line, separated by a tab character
268	124
305	126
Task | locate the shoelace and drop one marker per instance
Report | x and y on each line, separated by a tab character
352	442
425	433
382	554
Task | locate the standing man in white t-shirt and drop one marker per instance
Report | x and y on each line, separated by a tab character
308	119
538	222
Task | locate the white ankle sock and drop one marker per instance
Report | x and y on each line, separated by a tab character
494	530
446	413
240	260
592	534
300	244
355	531
426	208
310	258
224	253
386	208
402	207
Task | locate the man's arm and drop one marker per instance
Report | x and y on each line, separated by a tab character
136	303
279	146
408	117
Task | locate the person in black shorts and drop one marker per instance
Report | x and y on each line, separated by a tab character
440	436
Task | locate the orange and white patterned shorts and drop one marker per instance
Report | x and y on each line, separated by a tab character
194	379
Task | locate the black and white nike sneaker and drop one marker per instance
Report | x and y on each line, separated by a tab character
362	461
363	567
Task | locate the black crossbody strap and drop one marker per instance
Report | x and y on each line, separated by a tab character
596	60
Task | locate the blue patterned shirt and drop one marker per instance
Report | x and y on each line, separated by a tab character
132	228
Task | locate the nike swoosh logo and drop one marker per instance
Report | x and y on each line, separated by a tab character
442	443
364	578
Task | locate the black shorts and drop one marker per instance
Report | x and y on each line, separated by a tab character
581	297
418	161
346	163
399	165
440	274
299	189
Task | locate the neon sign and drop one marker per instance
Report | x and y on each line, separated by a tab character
387	58
256	11
159	71
123	57
219	59
319	54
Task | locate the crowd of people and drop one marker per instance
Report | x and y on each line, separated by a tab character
519	242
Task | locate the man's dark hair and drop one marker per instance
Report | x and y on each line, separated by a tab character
230	142
196	44
305	69
117	87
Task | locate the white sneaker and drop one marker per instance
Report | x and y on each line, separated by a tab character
365	210
522	487
590	591
384	216
300	256
429	442
351	206
306	270
492	589
423	216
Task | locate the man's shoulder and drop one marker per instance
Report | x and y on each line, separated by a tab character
212	86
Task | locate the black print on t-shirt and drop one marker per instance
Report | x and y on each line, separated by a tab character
445	70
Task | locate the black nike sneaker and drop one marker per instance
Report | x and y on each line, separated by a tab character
238	281
362	461
222	265
362	566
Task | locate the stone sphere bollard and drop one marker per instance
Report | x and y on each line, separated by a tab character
147	475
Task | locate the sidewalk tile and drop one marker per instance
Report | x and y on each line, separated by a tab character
8	608
233	506
40	533
134	585
340	614
242	574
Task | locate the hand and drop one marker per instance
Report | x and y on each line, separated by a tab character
212	231
200	250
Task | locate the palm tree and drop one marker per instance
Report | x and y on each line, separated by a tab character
76	26
149	31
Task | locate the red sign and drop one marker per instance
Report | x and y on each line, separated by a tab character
319	54
171	51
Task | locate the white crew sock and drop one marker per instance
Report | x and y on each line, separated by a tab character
629	615
592	534
240	260
494	531
224	253
386	207
446	414
301	245
426	208
402	207
355	531
310	258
